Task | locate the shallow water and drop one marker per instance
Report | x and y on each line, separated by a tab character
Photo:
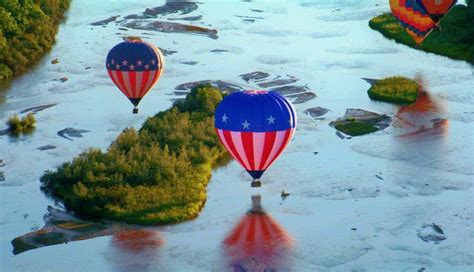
355	205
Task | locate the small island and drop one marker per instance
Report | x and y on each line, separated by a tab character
454	39
157	175
398	90
27	32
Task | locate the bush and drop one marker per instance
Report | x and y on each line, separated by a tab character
455	39
398	90
157	175
18	126
27	30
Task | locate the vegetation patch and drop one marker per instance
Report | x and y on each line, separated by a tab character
398	90
356	128
455	38
27	31
157	175
25	125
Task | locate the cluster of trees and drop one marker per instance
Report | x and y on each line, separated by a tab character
455	39
27	31
18	126
154	176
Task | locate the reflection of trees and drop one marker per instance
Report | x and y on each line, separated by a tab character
421	119
257	242
135	250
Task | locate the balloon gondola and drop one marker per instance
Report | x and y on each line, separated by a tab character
135	66
255	127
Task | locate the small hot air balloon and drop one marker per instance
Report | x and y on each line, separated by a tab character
255	127
413	18
436	9
135	66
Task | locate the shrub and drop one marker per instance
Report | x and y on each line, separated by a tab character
18	126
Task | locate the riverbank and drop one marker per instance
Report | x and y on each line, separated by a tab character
27	32
455	38
157	175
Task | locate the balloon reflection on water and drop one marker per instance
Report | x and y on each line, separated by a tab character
135	249
422	119
258	242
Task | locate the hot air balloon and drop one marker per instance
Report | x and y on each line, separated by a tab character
255	127
413	18
436	9
258	242
135	66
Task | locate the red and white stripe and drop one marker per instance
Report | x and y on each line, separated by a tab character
136	84
255	151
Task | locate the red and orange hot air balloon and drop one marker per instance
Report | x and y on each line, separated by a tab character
413	18
135	66
436	9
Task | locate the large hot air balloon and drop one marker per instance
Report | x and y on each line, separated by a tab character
255	127
413	18
436	9
135	66
258	242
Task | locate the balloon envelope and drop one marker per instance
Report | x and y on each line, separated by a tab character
255	127
413	18
436	9
134	66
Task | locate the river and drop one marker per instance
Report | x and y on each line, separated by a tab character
359	204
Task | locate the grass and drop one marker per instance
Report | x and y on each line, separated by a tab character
25	125
399	90
157	175
454	40
356	128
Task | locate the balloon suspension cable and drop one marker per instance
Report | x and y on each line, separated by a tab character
256	183
135	110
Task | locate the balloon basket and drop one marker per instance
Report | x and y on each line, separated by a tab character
135	110
256	184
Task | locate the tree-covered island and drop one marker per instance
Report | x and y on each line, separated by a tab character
454	39
156	175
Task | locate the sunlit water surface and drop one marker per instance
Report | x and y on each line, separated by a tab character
356	205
